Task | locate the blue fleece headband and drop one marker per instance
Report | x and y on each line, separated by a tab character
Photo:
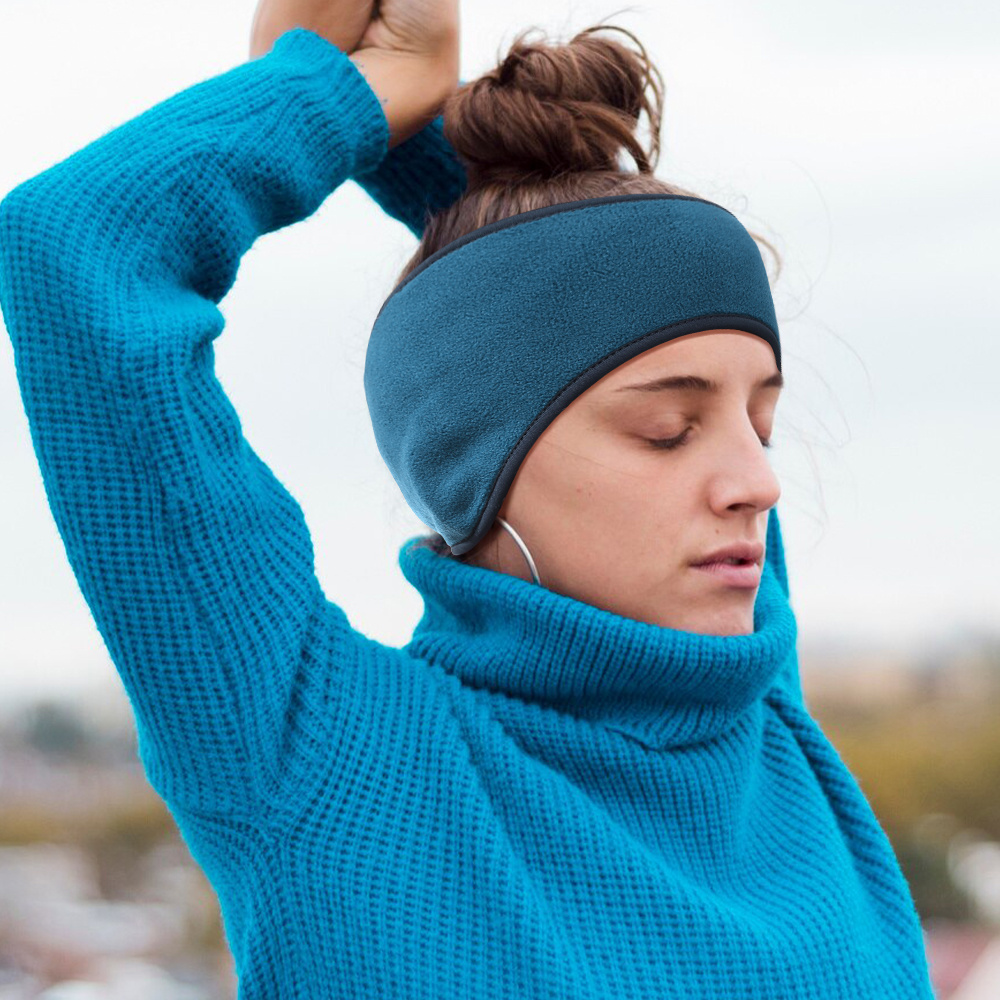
484	343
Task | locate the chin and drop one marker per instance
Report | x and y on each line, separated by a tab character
732	621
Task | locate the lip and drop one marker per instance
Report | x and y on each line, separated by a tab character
733	576
753	551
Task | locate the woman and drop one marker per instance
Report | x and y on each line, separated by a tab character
591	772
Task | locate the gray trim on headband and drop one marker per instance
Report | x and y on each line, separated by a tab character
454	409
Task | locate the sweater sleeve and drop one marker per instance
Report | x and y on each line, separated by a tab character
195	562
417	178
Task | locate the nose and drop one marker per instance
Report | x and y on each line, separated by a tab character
744	475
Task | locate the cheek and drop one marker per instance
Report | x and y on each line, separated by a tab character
647	497
608	483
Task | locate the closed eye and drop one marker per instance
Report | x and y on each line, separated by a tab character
666	444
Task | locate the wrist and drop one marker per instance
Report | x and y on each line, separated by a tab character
410	88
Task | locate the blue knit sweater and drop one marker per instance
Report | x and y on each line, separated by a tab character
534	797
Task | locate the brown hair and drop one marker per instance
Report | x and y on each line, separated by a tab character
547	126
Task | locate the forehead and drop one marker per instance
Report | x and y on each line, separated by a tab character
730	359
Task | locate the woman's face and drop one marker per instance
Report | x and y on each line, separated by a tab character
616	521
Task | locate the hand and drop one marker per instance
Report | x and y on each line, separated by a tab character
341	22
420	28
407	50
409	56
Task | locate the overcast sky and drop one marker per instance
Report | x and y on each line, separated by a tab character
862	138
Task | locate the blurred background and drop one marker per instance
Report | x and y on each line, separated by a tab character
863	140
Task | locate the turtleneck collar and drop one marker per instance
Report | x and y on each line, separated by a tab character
662	686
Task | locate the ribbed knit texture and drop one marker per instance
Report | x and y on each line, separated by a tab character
535	797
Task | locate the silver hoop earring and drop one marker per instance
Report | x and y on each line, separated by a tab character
523	548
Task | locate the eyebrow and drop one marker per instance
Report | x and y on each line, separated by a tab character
697	383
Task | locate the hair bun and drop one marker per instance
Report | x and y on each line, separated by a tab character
549	108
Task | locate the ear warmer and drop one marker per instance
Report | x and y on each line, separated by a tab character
484	343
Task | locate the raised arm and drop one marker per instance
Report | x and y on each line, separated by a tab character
195	561
417	178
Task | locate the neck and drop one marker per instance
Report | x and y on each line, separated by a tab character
659	685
